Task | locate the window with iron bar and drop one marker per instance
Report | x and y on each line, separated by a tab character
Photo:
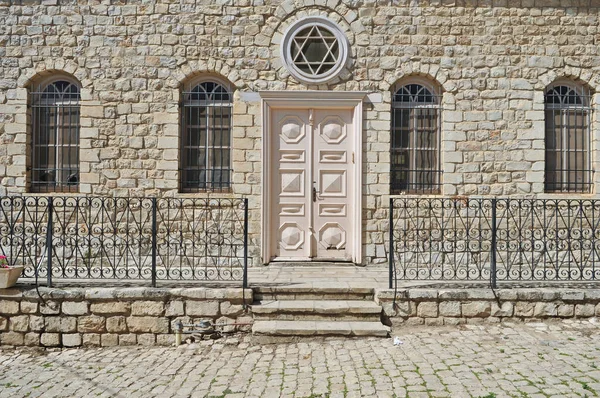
205	139
415	139
54	111
568	138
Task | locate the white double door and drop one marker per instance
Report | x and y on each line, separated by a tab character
312	181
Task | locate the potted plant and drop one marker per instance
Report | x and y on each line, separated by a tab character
8	274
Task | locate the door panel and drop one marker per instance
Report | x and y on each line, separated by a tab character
290	232
313	182
333	168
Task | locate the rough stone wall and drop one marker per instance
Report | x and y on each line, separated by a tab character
491	58
418	306
113	316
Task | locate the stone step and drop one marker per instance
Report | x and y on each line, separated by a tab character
311	291
319	328
348	310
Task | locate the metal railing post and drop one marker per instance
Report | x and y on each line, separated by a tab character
493	246
154	240
49	241
391	249
245	276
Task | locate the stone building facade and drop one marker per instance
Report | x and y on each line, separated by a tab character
489	66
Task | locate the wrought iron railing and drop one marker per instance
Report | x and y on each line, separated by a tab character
451	239
126	238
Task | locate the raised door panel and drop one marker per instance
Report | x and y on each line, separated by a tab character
290	230
334	176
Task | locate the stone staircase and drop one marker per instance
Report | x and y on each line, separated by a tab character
307	310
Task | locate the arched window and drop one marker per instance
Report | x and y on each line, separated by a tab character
55	128
415	135
568	163
205	161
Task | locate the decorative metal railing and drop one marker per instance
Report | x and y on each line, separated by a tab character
494	239
126	238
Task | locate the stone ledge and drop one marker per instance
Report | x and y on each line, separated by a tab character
93	294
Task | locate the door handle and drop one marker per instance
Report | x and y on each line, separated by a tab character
314	191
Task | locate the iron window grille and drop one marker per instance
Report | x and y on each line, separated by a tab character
206	138
568	138
415	140
55	137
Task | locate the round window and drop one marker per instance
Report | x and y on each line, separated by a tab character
314	50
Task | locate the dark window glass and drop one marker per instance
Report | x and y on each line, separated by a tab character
567	136
206	138
415	135
55	138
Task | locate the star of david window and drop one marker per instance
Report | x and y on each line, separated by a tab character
314	50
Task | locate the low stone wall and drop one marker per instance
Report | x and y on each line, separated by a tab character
455	306
74	317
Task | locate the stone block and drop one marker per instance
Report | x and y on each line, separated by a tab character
19	323
165	339
427	309
454	321
529	295
101	293
175	308
434	321
116	324
566	310
414	321
3	324
27	307
458	294
202	308
36	323
524	309
545	310
148	324
592	295
585	310
127	339
143	308
50	308
481	294
229	309
32	339
476	309
50	339
109	340
504	310
115	307
422	294
71	340
507	294
91	324
450	308
12	338
147	339
572	295
75	308
91	340
9	307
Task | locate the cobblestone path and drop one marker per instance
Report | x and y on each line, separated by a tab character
555	359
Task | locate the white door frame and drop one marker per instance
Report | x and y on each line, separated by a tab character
311	99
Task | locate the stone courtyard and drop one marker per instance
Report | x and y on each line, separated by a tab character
551	359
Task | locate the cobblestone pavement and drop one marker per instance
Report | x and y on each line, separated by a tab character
556	359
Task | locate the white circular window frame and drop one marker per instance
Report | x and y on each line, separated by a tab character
286	50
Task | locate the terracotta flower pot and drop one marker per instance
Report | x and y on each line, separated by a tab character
9	276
